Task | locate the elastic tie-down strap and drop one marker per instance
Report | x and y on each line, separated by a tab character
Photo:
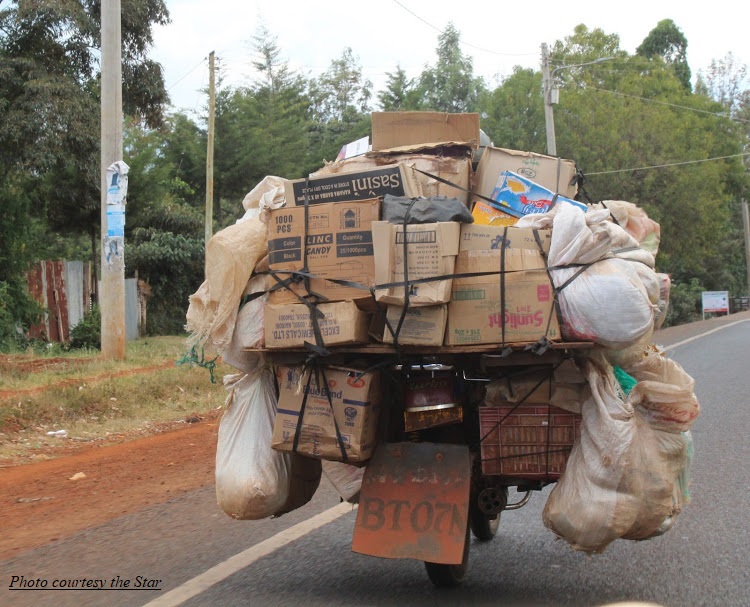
339	438
454	185
503	246
322	386
303	406
543	344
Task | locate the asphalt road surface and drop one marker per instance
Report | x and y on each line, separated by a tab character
195	555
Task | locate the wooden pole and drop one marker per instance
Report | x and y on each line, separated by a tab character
112	294
549	118
210	150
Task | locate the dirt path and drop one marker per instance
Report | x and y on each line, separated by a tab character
39	503
83	380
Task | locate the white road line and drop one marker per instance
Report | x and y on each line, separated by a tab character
687	341
232	565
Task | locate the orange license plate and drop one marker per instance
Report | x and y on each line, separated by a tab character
414	503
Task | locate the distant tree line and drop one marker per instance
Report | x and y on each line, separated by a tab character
618	120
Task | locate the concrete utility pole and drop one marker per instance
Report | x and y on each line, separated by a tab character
549	118
210	151
746	223
552	94
112	294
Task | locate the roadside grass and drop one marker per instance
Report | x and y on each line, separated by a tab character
45	367
92	399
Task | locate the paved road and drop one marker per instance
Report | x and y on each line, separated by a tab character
703	561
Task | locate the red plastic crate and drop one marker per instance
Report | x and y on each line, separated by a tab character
527	441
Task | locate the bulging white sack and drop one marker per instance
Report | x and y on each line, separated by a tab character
607	303
252	480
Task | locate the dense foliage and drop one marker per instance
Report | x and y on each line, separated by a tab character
634	124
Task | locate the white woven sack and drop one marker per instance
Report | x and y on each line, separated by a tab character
252	480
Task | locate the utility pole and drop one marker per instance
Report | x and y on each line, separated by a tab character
112	293
549	118
210	150
746	223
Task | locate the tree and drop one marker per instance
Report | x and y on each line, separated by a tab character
608	122
49	108
164	234
513	114
400	93
450	86
339	107
668	42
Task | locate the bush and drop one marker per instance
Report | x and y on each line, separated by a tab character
684	303
88	332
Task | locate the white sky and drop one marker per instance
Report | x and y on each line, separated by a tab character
387	33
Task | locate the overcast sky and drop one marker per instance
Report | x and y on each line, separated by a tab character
385	33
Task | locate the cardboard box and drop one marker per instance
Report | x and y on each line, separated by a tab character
356	410
455	169
423	326
494	309
519	196
555	174
290	325
431	251
339	246
363	185
427	129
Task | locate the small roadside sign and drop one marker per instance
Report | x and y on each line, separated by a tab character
715	302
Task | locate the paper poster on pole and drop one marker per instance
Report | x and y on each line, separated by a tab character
117	183
715	302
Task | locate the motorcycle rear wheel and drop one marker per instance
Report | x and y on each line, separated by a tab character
450	576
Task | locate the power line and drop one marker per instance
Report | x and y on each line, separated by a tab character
682	107
186	75
671	164
479	48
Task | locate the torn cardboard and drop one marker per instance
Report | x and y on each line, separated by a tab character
339	246
356	410
291	325
431	252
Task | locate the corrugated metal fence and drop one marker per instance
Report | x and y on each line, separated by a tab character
66	291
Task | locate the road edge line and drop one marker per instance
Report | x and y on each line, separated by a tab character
233	564
689	339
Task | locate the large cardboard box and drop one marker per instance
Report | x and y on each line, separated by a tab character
555	174
422	326
291	325
455	169
363	185
339	246
356	410
514	306
431	250
400	129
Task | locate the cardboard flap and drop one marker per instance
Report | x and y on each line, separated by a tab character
399	129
